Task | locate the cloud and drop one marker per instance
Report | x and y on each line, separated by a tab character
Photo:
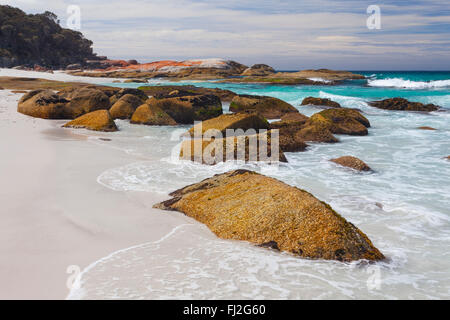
286	34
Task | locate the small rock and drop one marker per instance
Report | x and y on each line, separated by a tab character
426	128
352	162
320	102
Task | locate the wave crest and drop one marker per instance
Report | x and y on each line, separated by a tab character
409	84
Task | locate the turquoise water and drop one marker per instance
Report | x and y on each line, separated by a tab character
421	86
403	206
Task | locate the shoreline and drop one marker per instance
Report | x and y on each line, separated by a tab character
53	174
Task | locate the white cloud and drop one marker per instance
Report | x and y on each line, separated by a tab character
278	32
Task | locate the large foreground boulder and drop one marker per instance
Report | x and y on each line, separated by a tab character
187	109
224	122
125	106
99	120
320	102
403	105
244	205
254	147
352	162
268	107
152	115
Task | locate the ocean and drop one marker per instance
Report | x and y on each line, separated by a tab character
403	206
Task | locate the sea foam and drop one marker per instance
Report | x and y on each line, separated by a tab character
408	84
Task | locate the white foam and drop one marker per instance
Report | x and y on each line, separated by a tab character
320	80
408	84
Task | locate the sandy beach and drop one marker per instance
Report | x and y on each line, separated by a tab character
54	213
74	202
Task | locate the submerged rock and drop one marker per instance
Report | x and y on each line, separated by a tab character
320	102
187	109
244	205
403	105
426	128
152	115
99	120
255	147
135	81
352	162
125	106
268	107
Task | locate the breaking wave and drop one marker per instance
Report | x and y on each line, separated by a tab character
401	83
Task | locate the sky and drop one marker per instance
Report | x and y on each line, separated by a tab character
288	35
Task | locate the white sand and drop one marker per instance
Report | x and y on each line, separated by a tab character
57	76
54	213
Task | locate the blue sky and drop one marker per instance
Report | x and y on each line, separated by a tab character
289	35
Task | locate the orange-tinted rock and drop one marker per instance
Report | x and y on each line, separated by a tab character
268	107
342	121
99	120
85	100
401	104
187	109
352	162
289	126
43	104
426	128
244	205
255	147
152	115
122	92
125	106
316	132
320	102
224	122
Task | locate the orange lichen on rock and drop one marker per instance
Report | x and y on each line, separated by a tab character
244	205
